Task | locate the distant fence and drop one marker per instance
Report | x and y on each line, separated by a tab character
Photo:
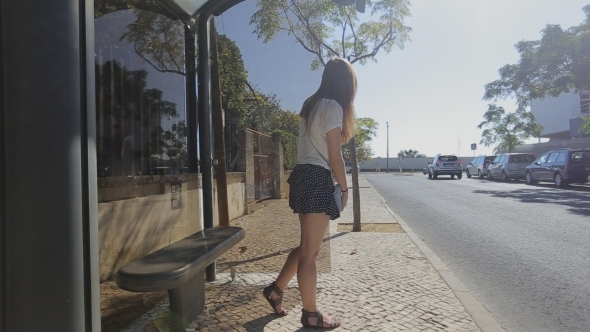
407	165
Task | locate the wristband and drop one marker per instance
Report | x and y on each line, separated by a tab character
344	190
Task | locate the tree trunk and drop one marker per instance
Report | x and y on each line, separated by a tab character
356	199
218	132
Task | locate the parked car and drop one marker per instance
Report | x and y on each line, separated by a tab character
560	166
425	169
348	167
479	166
444	164
508	166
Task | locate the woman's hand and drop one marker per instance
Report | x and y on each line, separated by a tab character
344	199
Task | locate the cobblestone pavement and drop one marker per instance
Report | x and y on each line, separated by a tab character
371	281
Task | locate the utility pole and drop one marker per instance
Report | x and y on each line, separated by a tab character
387	146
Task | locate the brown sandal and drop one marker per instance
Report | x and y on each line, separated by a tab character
274	303
319	320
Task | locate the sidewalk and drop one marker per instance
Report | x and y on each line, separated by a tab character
373	281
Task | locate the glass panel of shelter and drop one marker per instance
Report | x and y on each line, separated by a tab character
140	104
146	197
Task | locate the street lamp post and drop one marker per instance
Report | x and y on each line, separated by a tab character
387	146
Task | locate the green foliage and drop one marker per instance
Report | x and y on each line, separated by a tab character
263	113
158	40
507	129
555	64
586	125
289	148
232	74
327	30
170	145
138	103
410	154
366	129
103	7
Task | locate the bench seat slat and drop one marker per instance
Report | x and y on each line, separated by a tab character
170	266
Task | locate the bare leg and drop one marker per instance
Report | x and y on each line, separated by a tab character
289	269
287	273
313	228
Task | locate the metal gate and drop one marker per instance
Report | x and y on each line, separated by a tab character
263	165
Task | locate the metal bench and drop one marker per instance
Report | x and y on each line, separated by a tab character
180	269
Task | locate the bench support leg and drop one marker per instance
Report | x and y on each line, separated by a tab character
186	302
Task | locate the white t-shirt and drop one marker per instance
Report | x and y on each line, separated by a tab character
329	115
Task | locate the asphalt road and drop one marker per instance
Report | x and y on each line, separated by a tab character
523	251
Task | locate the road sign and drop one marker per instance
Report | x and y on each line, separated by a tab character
473	146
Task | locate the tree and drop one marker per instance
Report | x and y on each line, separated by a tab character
159	41
233	75
366	129
169	146
103	7
263	113
411	154
328	30
400	157
287	121
557	63
507	129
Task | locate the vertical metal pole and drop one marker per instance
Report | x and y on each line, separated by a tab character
191	100
387	146
205	124
89	167
50	234
3	224
218	131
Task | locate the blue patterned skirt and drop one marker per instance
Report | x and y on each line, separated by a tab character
312	191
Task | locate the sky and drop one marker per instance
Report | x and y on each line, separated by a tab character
430	92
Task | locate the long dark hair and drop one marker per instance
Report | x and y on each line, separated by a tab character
339	84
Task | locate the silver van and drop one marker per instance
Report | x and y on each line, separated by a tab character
479	166
508	166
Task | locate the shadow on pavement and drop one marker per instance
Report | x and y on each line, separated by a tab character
575	198
258	324
484	180
224	266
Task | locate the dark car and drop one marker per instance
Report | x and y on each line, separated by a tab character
560	166
508	166
479	166
444	164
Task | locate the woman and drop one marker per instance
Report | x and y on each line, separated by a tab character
327	123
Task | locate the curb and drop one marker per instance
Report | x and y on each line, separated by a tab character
476	310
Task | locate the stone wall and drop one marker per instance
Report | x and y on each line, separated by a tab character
136	216
140	214
236	195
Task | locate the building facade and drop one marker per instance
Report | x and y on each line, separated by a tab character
561	117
